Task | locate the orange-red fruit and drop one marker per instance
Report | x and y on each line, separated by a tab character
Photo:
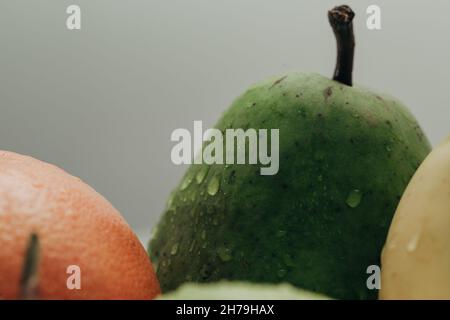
75	226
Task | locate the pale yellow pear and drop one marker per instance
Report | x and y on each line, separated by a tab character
416	256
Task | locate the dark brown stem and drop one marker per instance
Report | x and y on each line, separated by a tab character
29	279
341	21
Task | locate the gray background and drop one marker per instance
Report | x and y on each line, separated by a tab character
102	102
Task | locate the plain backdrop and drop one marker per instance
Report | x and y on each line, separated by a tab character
102	102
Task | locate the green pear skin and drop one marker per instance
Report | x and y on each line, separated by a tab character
346	156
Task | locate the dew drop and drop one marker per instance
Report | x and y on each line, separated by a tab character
354	198
174	249
186	181
412	244
201	174
214	186
224	254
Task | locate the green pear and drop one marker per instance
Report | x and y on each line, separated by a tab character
346	154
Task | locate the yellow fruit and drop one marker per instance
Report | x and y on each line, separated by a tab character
416	256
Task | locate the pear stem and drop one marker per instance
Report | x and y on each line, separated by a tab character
341	18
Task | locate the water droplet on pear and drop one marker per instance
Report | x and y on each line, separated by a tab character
201	174
186	181
224	254
174	249
213	186
354	198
